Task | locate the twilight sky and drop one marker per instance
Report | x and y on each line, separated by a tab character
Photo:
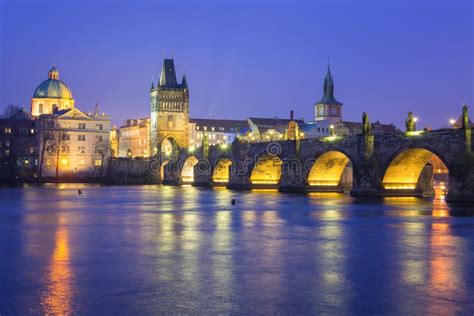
246	58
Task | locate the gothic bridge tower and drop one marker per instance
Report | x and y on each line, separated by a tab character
169	103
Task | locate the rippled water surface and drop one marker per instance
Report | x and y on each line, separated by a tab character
146	250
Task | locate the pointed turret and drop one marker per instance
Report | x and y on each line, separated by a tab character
328	97
184	82
152	85
328	108
168	74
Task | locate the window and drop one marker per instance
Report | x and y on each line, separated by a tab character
7	143
50	149
7	130
97	163
66	125
98	138
99	127
32	131
66	137
40	108
48	162
98	150
170	121
81	125
65	149
32	150
81	138
81	150
81	162
7	152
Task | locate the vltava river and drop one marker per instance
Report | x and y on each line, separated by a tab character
147	250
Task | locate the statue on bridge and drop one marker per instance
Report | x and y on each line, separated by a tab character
410	122
366	126
465	117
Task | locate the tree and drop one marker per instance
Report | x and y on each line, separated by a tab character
102	148
10	110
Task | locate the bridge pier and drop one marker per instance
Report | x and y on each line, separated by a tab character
172	174
461	180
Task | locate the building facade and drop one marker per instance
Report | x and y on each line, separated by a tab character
219	132
18	154
51	95
169	102
72	143
134	138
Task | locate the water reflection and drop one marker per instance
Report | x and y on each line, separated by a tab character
170	250
57	298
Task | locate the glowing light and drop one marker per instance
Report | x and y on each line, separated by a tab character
399	186
415	133
191	149
331	138
331	126
415	119
224	146
64	162
452	121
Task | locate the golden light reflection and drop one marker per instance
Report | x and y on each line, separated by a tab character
444	278
413	243
57	298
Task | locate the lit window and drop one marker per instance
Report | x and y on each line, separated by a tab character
81	162
97	163
8	130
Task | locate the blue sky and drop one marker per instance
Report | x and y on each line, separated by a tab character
246	58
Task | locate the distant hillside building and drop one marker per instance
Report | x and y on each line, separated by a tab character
169	102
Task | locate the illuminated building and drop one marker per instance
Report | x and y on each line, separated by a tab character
51	95
169	102
328	115
69	142
134	138
72	143
217	131
114	142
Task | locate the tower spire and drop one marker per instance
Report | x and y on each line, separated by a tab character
168	74
152	85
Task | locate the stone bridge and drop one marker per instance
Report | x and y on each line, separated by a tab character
395	164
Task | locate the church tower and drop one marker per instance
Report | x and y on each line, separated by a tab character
169	102
328	109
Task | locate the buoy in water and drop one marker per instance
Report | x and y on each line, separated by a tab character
79	192
233	202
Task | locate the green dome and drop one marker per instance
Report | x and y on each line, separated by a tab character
53	87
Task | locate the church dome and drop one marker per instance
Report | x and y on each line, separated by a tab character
53	87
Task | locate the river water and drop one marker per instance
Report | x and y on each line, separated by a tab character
146	250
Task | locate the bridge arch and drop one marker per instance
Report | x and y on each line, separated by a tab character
266	171
187	170
167	145
331	170
221	173
405	169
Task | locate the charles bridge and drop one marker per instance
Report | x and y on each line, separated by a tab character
391	164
